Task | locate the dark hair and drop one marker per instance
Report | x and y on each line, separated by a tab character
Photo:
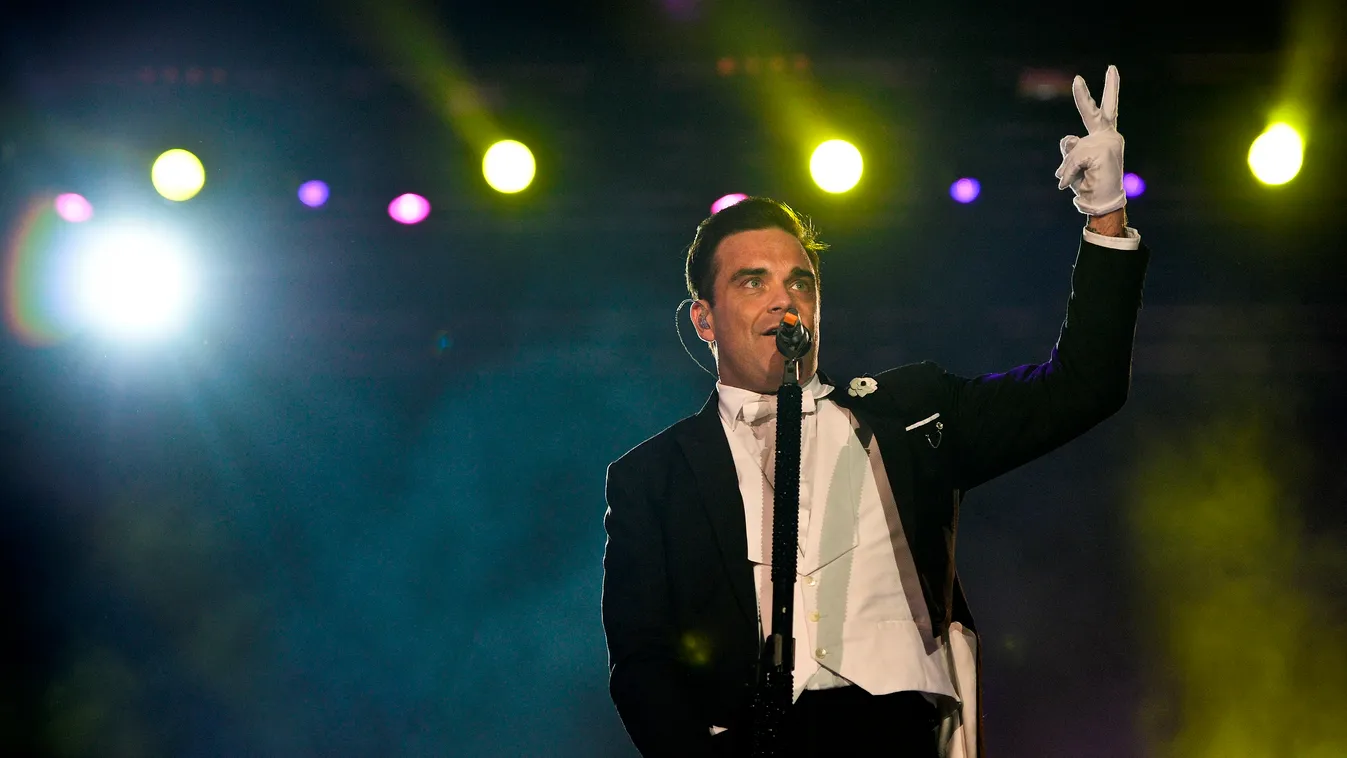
745	215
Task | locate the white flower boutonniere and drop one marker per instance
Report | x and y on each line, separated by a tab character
862	386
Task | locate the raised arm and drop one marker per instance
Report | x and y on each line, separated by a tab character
1004	420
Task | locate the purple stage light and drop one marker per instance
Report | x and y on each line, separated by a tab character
727	201
313	193
965	190
73	208
1133	185
409	209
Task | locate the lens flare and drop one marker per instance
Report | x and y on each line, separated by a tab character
836	166
34	259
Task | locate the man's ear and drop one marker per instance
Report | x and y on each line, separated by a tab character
703	320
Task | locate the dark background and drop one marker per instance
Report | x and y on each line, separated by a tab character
358	510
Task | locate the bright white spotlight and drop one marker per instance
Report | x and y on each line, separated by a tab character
836	166
132	281
508	166
178	175
1276	156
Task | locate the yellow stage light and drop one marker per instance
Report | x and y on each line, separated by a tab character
1277	154
508	166
836	166
178	175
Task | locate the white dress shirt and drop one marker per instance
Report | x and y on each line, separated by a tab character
1132	240
860	617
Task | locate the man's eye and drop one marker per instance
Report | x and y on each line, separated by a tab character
753	282
802	285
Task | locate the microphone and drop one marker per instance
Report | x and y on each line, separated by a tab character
793	339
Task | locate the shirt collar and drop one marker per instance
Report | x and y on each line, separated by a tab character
732	399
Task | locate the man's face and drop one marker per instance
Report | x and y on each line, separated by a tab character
759	274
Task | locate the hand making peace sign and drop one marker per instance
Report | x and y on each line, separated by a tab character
1092	166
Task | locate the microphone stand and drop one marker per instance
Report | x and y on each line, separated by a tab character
776	662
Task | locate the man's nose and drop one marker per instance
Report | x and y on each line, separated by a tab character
782	299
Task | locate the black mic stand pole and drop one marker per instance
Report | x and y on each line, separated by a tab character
776	664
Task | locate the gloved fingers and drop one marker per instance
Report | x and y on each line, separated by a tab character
1089	112
1068	172
1068	143
1109	107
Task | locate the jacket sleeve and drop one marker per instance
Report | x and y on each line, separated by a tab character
1004	420
645	680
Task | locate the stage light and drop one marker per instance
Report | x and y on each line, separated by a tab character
836	166
1276	156
508	166
313	193
1133	185
73	208
132	281
178	175
409	209
727	201
965	190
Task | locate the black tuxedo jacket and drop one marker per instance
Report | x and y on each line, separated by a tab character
678	596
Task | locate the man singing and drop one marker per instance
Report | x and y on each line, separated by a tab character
886	656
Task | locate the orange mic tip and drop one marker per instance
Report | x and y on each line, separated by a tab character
790	319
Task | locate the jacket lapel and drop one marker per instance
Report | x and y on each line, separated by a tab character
708	453
893	448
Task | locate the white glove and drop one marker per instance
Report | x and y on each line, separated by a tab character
1093	166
